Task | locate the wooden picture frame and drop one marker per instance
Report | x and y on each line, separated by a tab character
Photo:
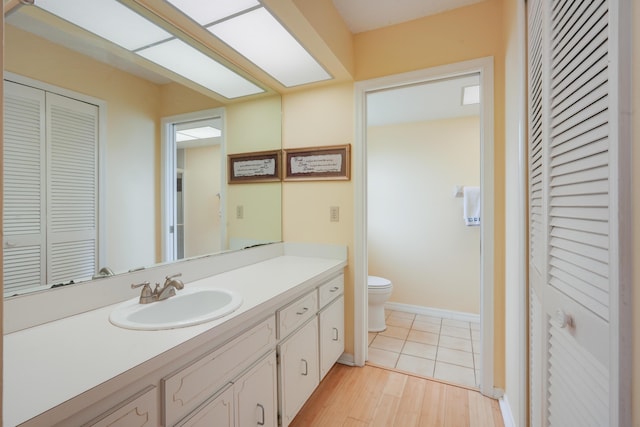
259	166
318	163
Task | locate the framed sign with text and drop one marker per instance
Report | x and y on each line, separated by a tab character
263	166
318	163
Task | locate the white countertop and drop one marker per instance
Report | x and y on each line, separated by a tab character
49	364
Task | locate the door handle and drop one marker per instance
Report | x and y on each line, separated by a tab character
261	423
335	335
306	368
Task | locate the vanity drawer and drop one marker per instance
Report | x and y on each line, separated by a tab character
140	410
295	314
330	290
186	389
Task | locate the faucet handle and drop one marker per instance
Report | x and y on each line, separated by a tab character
146	296
133	286
173	276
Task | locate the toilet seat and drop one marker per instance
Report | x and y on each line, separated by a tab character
378	283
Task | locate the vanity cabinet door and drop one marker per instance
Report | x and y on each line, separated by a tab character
256	395
186	389
217	411
331	335
298	370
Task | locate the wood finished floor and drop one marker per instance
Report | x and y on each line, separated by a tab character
374	396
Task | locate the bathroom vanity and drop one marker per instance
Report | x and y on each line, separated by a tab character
251	367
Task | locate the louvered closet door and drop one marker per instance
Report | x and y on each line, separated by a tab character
571	225
71	188
24	181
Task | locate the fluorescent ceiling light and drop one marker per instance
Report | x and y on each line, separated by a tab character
197	133
185	60
471	95
259	37
108	19
211	11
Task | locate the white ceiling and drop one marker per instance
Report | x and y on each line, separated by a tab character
441	99
365	15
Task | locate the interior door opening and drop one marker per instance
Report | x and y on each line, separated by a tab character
423	169
194	176
484	68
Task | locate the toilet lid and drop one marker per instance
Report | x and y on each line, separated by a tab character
378	282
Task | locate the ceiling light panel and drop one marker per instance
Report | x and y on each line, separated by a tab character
211	11
259	37
108	19
185	60
471	95
198	133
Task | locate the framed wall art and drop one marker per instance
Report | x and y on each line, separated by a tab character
262	166
318	163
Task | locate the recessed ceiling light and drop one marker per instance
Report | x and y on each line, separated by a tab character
185	60
197	133
471	95
259	37
108	19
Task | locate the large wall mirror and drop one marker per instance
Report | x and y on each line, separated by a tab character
134	101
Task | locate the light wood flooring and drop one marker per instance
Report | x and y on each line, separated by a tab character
374	396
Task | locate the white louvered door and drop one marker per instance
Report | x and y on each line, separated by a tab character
573	227
50	188
72	135
24	220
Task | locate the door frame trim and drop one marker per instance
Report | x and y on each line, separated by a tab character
168	173
483	66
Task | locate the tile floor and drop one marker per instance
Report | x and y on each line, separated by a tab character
428	346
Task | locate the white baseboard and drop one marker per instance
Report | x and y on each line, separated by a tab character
431	311
505	409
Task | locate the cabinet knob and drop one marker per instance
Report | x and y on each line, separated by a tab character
564	319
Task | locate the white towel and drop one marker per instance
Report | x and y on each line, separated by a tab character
471	205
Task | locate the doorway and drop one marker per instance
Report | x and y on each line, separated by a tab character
423	163
194	170
484	69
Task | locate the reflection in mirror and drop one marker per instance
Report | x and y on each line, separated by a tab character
195	206
129	151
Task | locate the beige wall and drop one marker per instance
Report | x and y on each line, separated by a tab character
417	237
254	126
312	118
325	117
201	192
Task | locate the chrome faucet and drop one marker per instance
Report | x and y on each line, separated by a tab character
158	294
169	288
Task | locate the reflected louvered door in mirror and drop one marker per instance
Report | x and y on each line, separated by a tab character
572	216
72	188
50	188
24	216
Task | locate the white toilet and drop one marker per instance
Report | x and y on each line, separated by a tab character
379	293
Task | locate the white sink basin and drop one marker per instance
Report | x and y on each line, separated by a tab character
189	307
